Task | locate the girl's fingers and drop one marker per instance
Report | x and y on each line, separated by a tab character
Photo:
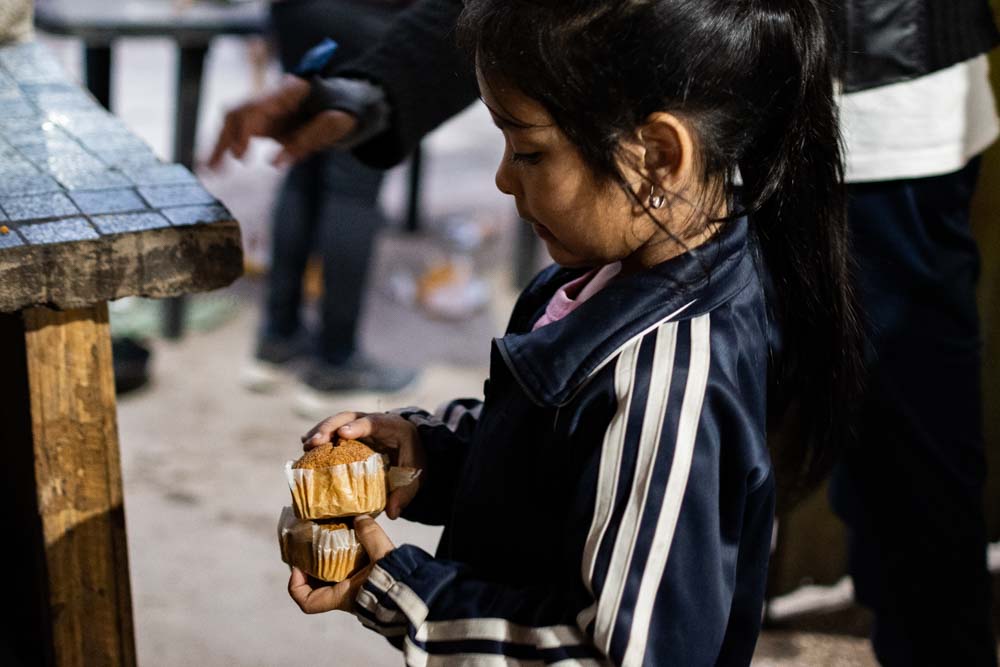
372	537
379	429
317	600
323	432
363	427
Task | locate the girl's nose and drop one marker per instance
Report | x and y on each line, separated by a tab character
504	179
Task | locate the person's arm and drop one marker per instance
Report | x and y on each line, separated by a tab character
445	438
380	105
426	78
661	552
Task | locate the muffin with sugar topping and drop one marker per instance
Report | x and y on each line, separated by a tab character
337	480
327	550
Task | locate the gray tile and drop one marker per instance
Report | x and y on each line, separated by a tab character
27	185
162	174
92	180
87	122
15	165
38	207
58	231
72	163
197	215
120	141
162	196
12	126
127	160
30	62
38	75
17	108
56	148
96	202
10	239
129	222
47	134
7	83
59	97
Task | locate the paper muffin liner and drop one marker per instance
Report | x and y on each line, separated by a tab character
330	555
342	490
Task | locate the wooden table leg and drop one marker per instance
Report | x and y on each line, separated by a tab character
85	603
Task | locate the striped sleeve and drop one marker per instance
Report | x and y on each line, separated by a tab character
658	576
445	436
661	572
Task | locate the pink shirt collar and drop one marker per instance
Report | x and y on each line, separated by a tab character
562	304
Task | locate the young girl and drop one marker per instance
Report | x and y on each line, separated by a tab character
611	499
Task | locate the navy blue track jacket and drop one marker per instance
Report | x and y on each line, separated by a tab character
611	500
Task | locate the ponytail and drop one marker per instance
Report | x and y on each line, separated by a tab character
794	193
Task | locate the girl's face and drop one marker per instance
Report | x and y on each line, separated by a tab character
584	221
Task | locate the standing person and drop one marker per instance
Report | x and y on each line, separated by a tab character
918	113
327	205
612	497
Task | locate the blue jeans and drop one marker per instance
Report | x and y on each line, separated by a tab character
911	492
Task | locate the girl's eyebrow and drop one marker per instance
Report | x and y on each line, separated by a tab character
506	122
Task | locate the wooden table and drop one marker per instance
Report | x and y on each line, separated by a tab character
192	24
87	214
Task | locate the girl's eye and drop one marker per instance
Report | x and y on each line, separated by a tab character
526	158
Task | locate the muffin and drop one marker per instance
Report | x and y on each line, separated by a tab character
326	550
339	480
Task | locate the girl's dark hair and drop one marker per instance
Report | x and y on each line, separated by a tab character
753	81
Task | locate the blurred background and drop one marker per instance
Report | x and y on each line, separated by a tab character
205	428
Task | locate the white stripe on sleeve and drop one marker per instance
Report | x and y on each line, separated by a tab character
694	396
501	630
611	454
648	447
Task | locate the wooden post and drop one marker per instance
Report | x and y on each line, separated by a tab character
79	487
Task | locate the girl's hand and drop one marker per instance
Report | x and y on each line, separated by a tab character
384	432
341	596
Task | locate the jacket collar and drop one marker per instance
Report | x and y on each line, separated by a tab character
552	363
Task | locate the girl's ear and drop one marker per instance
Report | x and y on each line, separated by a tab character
668	151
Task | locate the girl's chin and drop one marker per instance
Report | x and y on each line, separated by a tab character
565	259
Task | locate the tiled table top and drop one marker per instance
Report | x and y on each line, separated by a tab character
71	174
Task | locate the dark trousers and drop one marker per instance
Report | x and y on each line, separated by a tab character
314	216
911	493
327	205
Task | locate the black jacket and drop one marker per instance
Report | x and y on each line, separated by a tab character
886	41
611	500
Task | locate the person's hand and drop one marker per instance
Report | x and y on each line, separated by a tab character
279	115
341	596
384	432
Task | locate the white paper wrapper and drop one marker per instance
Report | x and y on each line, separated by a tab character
348	489
330	555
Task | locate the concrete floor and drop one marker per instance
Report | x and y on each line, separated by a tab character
202	457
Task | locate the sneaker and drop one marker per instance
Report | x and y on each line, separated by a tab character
359	373
281	350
